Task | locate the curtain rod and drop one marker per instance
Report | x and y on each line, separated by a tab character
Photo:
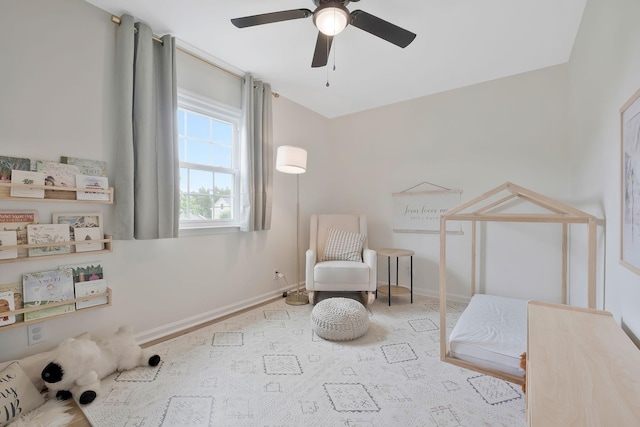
117	21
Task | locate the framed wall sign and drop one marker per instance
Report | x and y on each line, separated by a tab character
420	211
630	184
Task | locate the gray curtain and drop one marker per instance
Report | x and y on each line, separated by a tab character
147	177
256	163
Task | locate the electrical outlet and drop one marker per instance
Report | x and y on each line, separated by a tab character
275	273
35	333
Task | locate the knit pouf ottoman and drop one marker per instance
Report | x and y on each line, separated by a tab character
339	319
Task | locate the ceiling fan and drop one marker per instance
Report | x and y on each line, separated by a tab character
331	17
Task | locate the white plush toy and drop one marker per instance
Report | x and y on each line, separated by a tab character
77	365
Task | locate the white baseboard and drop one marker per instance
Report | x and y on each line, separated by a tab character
199	319
417	290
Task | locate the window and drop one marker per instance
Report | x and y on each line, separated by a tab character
209	162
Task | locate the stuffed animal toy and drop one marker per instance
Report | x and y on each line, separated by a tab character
77	365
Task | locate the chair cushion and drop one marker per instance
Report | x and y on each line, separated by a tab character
343	246
339	319
341	272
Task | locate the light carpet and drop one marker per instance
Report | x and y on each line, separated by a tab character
266	367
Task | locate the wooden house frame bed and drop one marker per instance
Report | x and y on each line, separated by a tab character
479	210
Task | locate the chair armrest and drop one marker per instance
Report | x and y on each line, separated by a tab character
370	257
310	263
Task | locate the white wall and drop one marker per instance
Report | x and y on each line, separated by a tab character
474	138
604	71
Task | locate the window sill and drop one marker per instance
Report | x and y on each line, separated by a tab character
209	231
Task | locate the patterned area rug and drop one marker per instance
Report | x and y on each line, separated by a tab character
266	367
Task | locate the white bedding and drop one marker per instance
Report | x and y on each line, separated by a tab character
492	333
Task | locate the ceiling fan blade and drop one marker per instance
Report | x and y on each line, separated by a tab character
268	18
321	54
381	28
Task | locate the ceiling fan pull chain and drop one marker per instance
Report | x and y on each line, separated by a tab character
335	45
328	51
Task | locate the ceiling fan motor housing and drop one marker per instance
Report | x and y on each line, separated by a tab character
331	17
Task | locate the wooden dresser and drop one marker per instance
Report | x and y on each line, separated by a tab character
582	369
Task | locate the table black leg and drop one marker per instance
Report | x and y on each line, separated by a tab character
397	261
411	273
389	274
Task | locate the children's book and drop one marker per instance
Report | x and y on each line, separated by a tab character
17	222
86	271
46	287
77	220
88	235
16	288
58	175
92	182
88	279
50	234
27	178
8	164
87	166
8	238
89	288
7	303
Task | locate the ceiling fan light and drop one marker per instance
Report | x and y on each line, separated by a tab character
331	20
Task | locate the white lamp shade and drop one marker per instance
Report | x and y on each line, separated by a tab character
331	20
290	159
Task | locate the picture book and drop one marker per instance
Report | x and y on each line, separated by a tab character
8	164
58	175
8	238
88	279
87	271
49	234
17	222
46	287
92	182
27	178
78	220
16	288
87	235
87	166
7	303
90	288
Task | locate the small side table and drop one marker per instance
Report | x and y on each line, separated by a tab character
397	289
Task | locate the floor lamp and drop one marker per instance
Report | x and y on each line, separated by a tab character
293	160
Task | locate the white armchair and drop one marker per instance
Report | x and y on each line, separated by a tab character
339	275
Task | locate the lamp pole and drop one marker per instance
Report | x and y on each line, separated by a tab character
298	298
293	160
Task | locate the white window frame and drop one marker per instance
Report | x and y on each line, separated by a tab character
206	106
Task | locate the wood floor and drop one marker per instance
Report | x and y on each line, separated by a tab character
79	420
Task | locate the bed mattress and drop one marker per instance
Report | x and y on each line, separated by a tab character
492	333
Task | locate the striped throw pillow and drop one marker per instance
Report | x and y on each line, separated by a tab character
343	246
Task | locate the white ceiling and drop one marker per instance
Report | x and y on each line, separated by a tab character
458	43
